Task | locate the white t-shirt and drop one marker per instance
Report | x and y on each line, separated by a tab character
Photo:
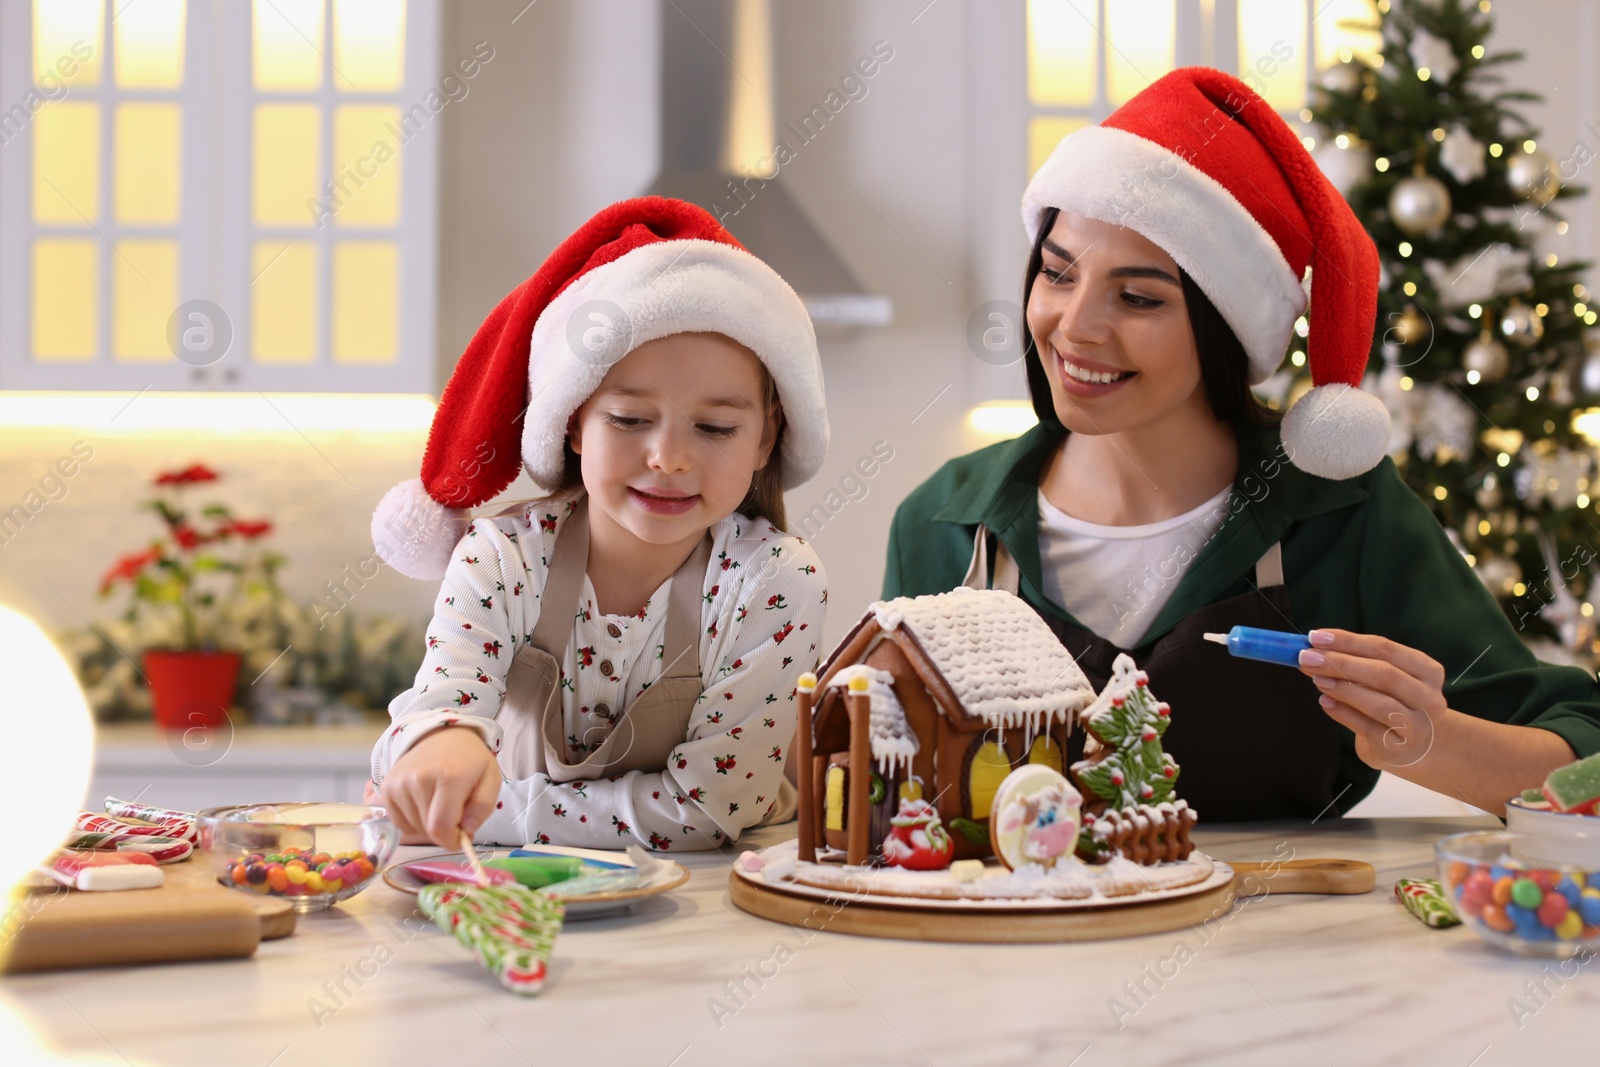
1116	579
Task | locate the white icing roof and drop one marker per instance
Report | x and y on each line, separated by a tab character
1001	659
893	743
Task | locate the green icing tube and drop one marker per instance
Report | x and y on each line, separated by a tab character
536	872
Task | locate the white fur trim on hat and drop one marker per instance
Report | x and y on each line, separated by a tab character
414	533
1118	177
1336	431
652	292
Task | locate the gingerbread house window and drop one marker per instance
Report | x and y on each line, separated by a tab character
1045	750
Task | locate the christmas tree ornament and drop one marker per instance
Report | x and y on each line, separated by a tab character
1346	76
1499	574
1486	356
1559	389
1445	424
1480	276
1521	324
1434	55
1462	155
1345	166
1589	376
1532	176
1419	204
1411	327
1564	611
1488	495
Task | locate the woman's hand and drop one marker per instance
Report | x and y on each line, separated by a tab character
445	783
1390	696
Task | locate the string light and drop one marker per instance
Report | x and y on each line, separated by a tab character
1423	73
1533	392
1473	377
1440	492
1405	248
1406	383
1475	310
1381	164
1477	51
1411	288
1519	589
1502	460
1495	150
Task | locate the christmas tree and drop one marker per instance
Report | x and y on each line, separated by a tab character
1127	720
1479	351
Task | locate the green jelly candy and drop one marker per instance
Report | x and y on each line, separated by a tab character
536	872
1574	785
1525	892
1533	796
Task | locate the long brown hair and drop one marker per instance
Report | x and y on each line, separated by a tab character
1224	365
764	498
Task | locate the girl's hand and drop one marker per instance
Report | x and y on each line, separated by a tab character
445	783
1389	695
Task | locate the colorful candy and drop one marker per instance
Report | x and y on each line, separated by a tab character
296	872
1575	787
1426	900
128	809
457	873
105	870
1532	904
511	929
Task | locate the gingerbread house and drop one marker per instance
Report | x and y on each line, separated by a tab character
937	697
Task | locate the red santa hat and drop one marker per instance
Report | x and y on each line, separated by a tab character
1206	169
638	271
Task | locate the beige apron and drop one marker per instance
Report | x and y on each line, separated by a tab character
651	727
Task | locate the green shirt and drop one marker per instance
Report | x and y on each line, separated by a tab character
1363	554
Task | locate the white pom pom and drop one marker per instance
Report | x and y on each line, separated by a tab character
414	533
1336	431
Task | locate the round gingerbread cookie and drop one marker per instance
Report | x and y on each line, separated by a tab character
1035	817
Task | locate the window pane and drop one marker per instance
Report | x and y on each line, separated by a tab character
67	41
1272	54
366	167
147	163
366	278
66	294
1061	50
149	36
1044	750
66	163
369	44
1044	134
1339	25
288	44
989	768
1140	45
144	283
283	302
287	167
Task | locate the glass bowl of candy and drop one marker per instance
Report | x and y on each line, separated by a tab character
1531	894
313	855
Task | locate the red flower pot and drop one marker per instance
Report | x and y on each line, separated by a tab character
191	688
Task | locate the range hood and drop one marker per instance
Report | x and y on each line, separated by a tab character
717	126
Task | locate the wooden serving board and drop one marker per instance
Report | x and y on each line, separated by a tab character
970	923
1329	876
191	917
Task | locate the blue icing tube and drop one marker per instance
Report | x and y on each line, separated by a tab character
1270	646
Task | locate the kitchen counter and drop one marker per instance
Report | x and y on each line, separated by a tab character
686	978
194	769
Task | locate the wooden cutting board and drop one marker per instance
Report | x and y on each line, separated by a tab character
1331	876
191	917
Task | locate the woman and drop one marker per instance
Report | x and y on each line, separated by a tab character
1157	500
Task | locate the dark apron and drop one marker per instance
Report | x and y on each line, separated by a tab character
1250	739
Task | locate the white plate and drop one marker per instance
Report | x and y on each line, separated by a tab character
668	875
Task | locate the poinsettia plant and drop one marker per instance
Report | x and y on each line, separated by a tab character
205	561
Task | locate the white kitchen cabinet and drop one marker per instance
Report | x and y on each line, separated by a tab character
260	765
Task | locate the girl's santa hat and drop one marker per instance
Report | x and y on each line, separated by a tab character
1205	168
638	271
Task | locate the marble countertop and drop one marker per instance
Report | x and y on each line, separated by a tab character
686	978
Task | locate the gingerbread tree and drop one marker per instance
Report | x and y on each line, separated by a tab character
1128	768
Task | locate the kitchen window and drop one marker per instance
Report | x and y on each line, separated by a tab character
201	195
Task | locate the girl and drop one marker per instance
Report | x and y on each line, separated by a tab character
1158	500
614	664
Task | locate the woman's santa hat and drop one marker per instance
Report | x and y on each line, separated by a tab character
1205	168
638	271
